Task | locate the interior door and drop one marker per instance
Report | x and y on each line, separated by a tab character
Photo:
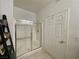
61	23
55	34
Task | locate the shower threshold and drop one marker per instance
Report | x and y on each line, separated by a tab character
29	53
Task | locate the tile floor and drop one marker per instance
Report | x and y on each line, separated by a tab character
39	55
24	46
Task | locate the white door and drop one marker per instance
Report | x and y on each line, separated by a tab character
61	27
55	34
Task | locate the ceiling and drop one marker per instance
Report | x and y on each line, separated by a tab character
31	5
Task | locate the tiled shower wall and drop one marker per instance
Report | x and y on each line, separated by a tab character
23	36
26	38
23	31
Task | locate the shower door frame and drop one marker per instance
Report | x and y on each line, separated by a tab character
36	38
30	42
16	42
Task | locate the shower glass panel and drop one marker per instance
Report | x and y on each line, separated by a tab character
36	36
23	38
28	37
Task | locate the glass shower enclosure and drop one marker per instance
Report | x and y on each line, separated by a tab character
26	37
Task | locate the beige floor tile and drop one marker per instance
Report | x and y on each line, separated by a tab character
39	55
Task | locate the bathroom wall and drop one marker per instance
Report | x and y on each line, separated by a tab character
23	28
6	7
20	13
23	31
57	6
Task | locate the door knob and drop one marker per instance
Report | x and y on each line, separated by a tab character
61	42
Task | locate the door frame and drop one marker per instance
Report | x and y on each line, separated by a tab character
68	25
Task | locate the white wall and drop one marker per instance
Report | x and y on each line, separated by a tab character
6	7
54	7
20	13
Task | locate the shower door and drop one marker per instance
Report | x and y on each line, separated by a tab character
28	37
36	36
23	39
